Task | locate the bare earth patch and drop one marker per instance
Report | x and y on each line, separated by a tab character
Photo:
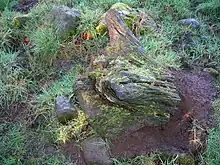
73	151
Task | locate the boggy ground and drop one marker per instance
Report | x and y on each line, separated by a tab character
187	130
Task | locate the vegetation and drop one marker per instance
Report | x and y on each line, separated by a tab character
30	79
13	85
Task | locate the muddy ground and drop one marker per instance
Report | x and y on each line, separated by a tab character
177	136
186	132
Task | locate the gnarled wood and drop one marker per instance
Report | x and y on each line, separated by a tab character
132	86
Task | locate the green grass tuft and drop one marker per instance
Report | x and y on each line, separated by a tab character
21	146
210	7
46	46
13	87
12	144
212	156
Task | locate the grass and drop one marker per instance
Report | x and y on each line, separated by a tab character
45	107
159	48
13	87
12	144
6	3
21	146
37	83
213	153
156	158
63	87
140	160
210	7
9	36
74	129
46	46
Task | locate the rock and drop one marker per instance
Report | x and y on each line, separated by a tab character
111	120
65	19
21	20
212	71
64	110
190	22
190	37
138	21
95	152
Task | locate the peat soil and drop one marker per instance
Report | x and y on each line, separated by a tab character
186	132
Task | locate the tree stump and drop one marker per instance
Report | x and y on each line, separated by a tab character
126	89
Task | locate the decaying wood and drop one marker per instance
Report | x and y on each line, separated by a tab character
129	79
121	36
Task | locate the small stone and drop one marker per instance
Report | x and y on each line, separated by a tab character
191	22
64	110
212	71
95	152
65	19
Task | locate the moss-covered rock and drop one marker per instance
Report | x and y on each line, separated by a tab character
65	19
64	110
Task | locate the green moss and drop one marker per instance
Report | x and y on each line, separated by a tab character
96	74
111	121
132	18
115	119
115	48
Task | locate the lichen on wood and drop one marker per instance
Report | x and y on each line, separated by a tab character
138	21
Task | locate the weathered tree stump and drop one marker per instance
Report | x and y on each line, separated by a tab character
126	88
